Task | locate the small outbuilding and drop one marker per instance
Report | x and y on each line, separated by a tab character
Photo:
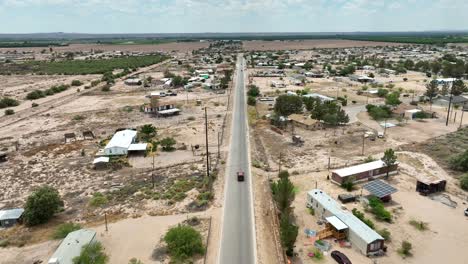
363	172
9	217
430	187
101	163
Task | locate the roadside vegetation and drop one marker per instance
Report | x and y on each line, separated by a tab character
183	243
283	195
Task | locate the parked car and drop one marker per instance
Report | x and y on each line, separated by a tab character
466	212
340	257
240	176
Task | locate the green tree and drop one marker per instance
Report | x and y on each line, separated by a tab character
251	101
389	159
436	67
382	92
432	89
183	242
148	129
41	205
92	253
288	104
288	234
393	99
253	91
458	87
283	193
167	144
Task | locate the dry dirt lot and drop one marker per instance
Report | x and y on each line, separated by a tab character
310	44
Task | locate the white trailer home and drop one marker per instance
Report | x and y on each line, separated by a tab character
120	143
362	237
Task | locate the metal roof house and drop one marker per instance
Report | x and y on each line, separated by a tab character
363	172
120	143
362	237
71	246
10	217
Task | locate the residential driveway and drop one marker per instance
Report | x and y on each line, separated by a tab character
353	111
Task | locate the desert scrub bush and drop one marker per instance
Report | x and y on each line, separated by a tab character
78	118
183	242
8	102
348	185
361	217
464	181
76	83
9	112
378	209
98	200
191	118
64	229
256	164
419	225
385	234
405	249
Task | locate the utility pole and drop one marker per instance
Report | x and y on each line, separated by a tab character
219	153
206	139
461	119
450	104
385	127
363	141
152	173
105	220
279	164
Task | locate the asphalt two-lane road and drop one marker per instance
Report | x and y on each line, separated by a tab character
238	244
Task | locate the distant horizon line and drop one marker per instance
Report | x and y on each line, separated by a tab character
246	32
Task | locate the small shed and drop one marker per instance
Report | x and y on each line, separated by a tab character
430	187
101	163
347	198
138	148
9	217
69	137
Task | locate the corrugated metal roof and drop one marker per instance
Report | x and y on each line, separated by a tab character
138	147
336	222
122	139
360	168
353	223
72	244
11	214
101	159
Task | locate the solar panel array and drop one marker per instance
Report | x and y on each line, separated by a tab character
379	188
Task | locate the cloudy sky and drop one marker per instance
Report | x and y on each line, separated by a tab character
181	16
